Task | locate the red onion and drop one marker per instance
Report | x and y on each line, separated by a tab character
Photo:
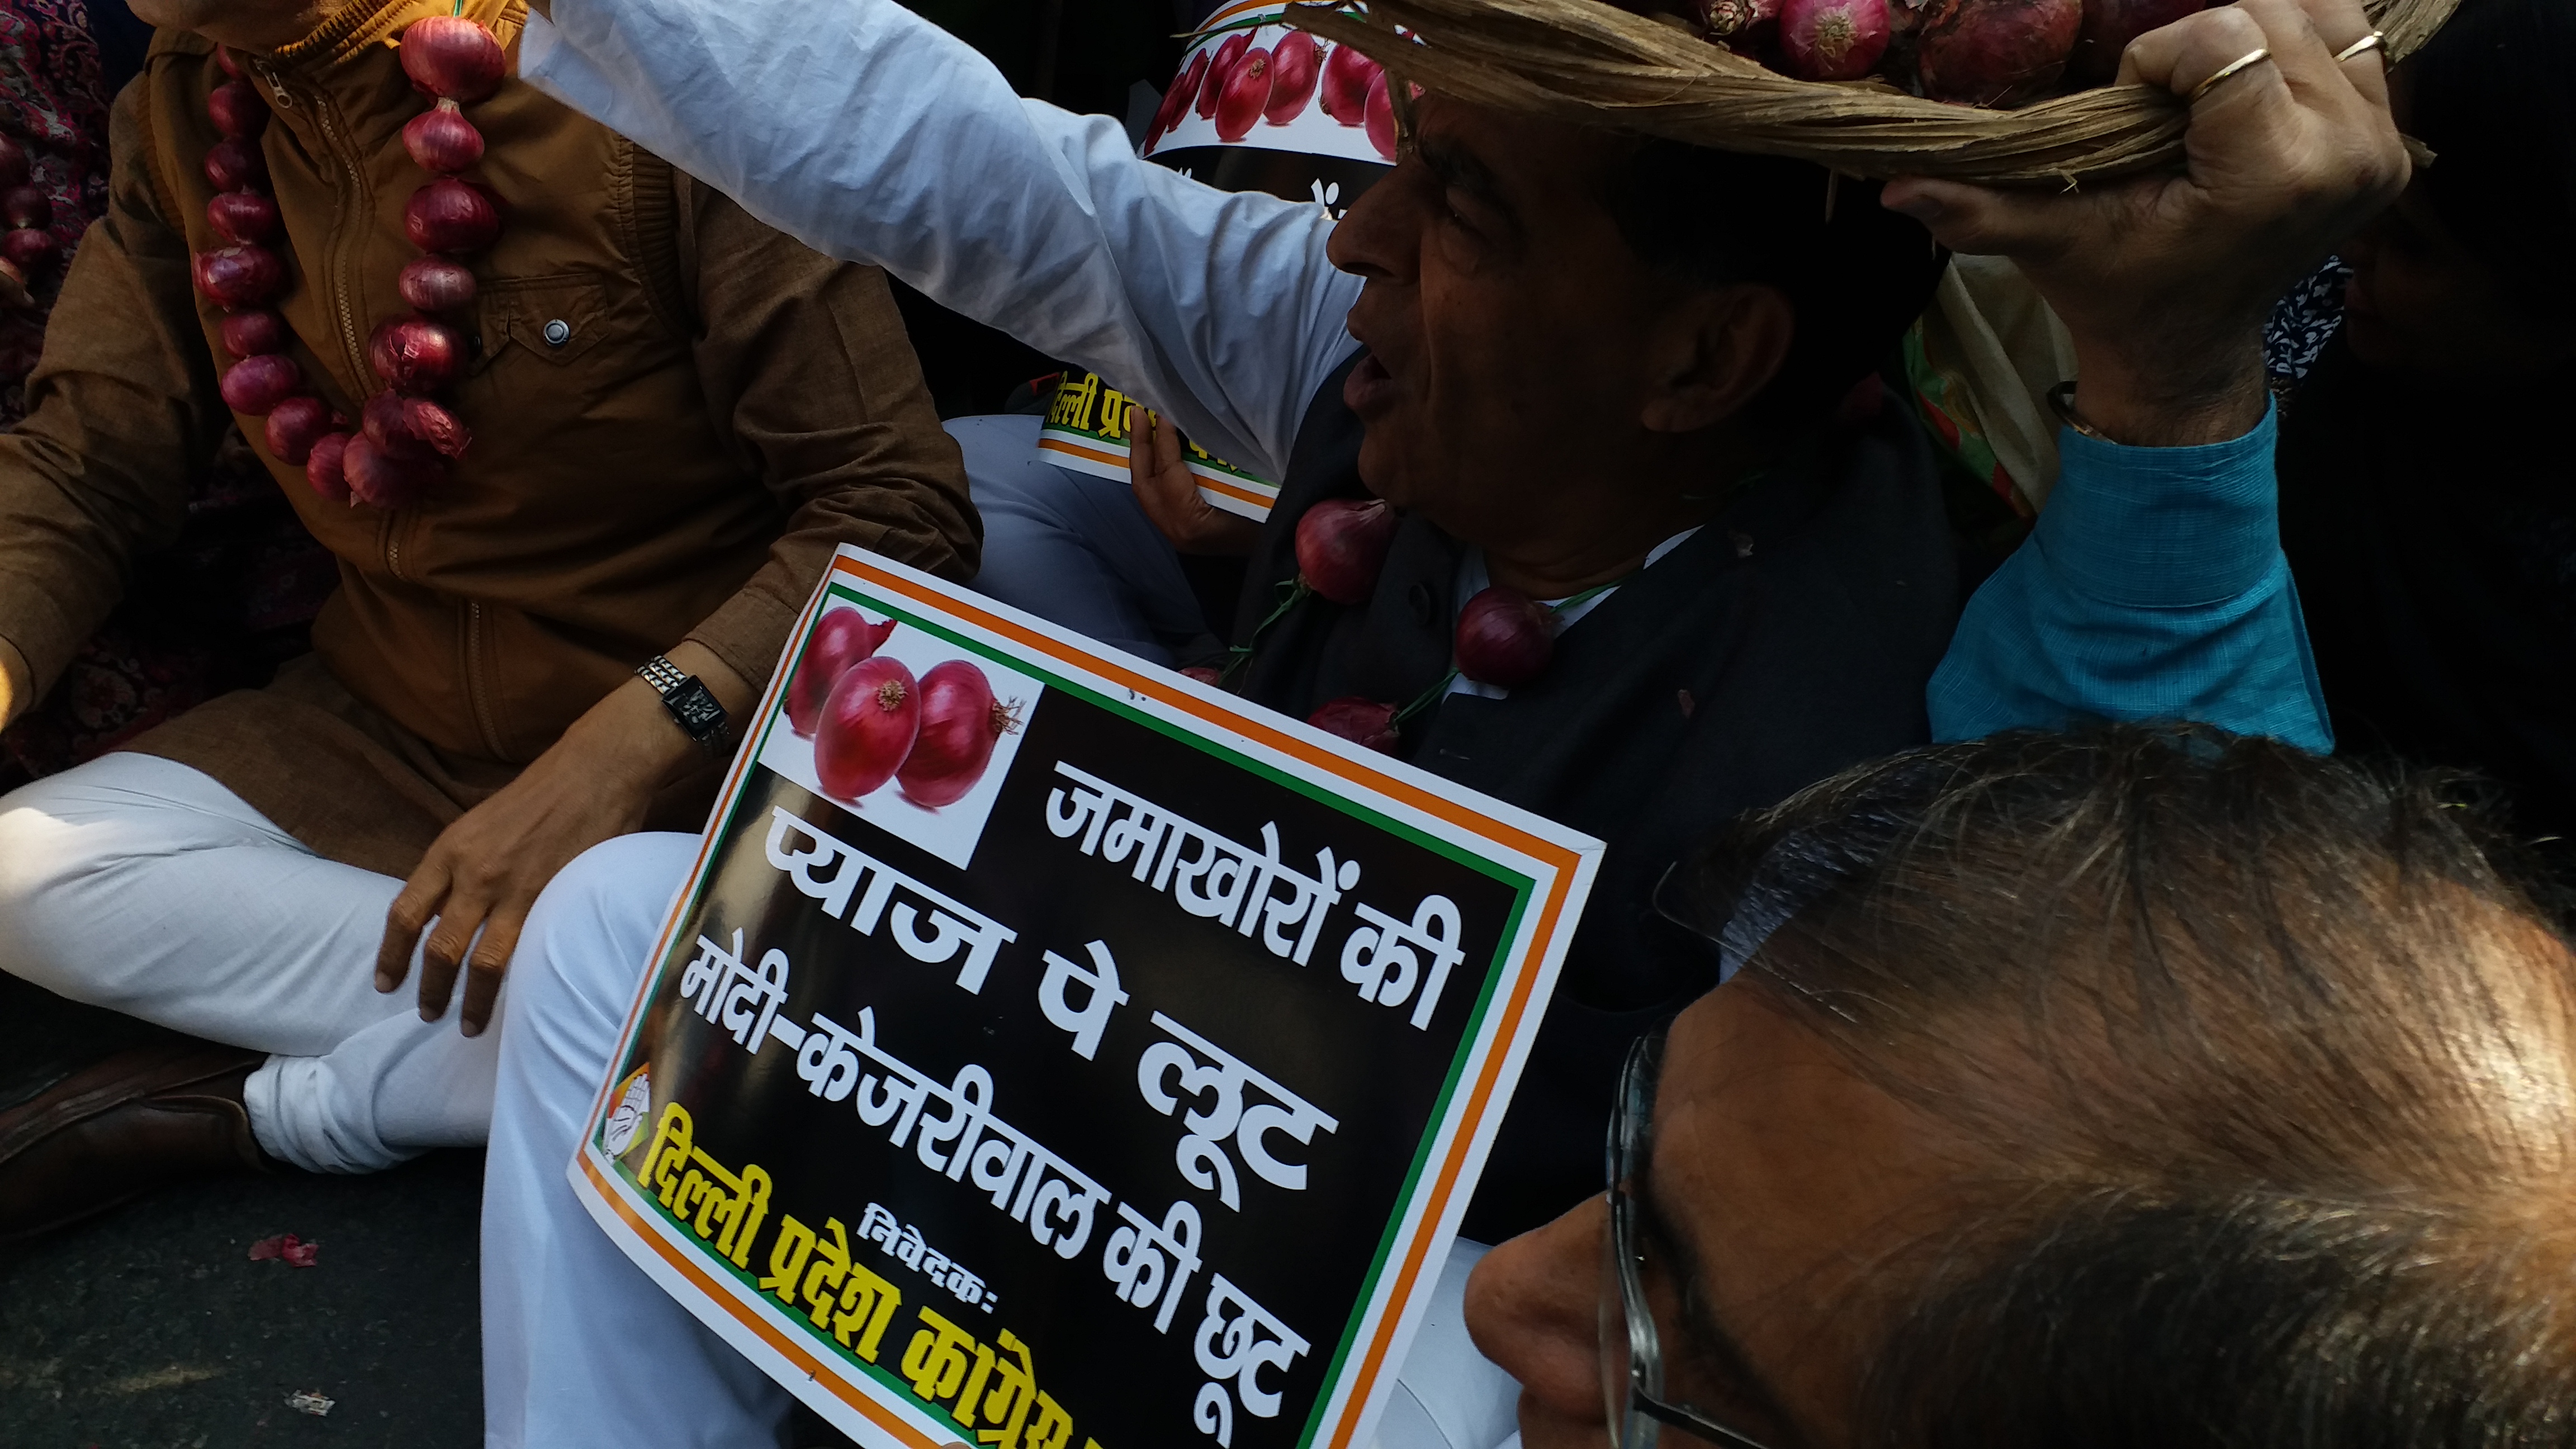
256	385
237	110
230	60
27	206
236	277
1296	63
16	278
1176	101
1228	51
1380	111
413	427
1995	52
435	284
961	721
295	425
29	248
842	638
1833	40
1341	547
235	165
2108	27
1345	86
1503	638
323	467
1247	91
430	421
442	140
453	58
254	332
384	480
14	170
869	722
1361	721
415	354
449	216
1207	674
242	217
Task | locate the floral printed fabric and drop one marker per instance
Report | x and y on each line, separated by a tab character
238	592
2300	325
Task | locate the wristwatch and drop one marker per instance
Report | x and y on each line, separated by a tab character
692	705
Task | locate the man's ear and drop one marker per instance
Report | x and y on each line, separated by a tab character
1716	348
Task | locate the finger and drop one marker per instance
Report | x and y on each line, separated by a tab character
442	955
405	919
1140	459
490	961
1167	452
2305	58
1981	221
2246	122
1169	494
2338	24
2178	57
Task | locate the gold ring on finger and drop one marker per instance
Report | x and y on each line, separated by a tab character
2254	57
2373	41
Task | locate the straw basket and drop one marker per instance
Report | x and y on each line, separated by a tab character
1591	63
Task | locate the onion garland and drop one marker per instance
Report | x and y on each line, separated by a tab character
408	437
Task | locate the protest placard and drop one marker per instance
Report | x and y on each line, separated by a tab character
1123	1089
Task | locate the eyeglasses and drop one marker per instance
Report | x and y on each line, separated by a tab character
1634	1399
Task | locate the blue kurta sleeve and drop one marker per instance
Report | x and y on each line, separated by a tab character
2153	588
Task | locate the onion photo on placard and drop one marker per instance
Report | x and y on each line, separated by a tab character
869	723
961	721
842	637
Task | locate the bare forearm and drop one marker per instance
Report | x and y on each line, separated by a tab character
630	733
2197	392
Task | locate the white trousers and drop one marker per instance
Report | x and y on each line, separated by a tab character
143	886
581	1348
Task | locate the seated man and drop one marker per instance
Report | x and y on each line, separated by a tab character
676	413
2139	1087
1779	632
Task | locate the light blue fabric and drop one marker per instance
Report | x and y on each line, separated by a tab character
1074	548
2153	588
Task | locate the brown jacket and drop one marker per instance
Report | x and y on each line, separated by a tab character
727	407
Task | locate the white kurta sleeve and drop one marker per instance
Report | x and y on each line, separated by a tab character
870	134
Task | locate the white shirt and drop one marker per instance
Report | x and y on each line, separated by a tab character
872	135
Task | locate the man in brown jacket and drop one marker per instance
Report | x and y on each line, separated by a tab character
676	412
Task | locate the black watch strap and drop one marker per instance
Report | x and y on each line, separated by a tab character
692	705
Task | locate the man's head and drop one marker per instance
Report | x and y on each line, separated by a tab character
1575	333
2139	1088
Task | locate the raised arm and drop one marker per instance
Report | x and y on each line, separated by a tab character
2154	586
872	135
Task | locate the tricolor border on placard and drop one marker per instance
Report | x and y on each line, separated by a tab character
1563	863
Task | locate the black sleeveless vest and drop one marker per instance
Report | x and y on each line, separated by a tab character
1789	638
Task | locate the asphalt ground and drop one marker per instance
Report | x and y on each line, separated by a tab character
152	1328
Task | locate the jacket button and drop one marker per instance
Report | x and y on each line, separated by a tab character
558	332
1419	596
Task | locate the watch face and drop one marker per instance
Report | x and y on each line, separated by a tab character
696	709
